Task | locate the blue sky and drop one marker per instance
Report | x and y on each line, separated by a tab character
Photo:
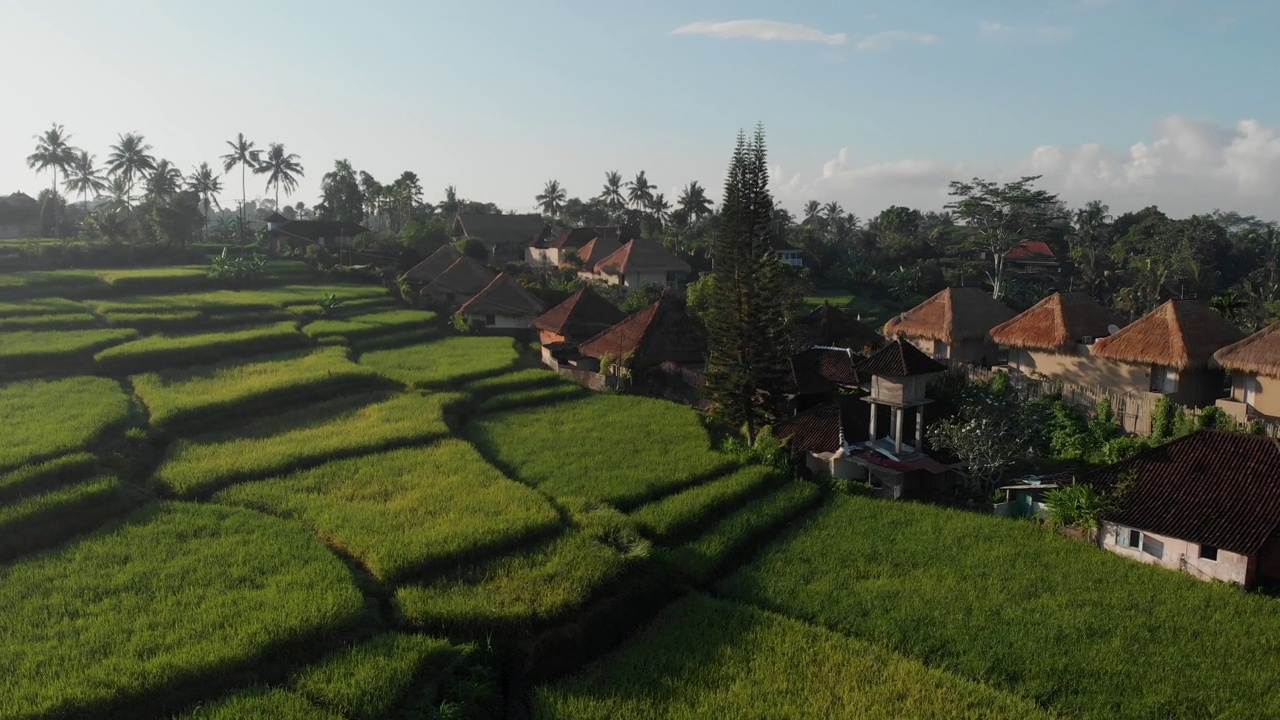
865	102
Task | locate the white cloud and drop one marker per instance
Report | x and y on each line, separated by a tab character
1189	167
761	30
889	38
1000	33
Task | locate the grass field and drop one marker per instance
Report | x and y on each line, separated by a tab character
1079	630
208	395
46	475
261	702
45	418
447	362
405	511
41	350
371	680
361	327
677	515
873	312
50	321
41	521
639	448
158	352
39	306
176	591
705	658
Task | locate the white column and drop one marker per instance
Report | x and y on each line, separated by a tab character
875	412
920	429
898	414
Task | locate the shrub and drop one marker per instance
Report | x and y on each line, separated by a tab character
159	351
45	418
405	511
231	271
301	438
129	615
450	361
707	658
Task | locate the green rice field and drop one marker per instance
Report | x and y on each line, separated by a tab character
46	418
444	363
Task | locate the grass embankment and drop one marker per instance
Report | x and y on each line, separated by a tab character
371	326
1076	629
50	321
448	362
47	351
676	516
40	306
409	510
625	450
45	475
173	597
48	418
301	438
158	352
705	658
39	521
208	396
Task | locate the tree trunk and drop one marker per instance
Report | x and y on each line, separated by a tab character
244	198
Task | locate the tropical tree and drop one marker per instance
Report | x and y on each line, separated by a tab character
370	190
693	201
53	151
640	191
813	213
83	178
131	159
165	181
451	204
204	182
998	217
611	195
551	199
660	208
119	194
340	195
242	154
281	168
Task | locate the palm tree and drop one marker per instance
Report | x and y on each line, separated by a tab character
130	158
119	194
640	191
551	200
205	183
281	168
451	204
812	212
165	181
661	209
53	150
242	154
83	178
611	194
694	202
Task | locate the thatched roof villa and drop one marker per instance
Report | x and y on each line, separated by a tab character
953	325
1054	339
1254	363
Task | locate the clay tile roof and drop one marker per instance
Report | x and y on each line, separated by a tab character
953	315
899	359
1030	250
502	228
577	237
829	325
503	296
596	250
659	333
1057	322
820	370
464	277
640	255
817	429
1259	353
582	316
431	268
1182	334
1211	487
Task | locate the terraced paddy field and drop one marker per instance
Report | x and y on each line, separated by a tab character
257	503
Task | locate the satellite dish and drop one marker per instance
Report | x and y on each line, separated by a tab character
1113	328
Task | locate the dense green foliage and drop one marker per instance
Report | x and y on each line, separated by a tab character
640	448
47	418
159	351
176	590
705	658
279	443
1001	602
446	362
404	511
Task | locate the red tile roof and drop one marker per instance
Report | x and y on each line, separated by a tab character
1030	250
464	277
503	296
431	268
641	255
1212	487
584	315
819	370
899	359
596	250
659	333
817	430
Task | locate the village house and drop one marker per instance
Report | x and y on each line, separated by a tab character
787	255
830	326
1207	504
660	333
458	283
1055	337
19	216
503	307
285	234
1033	257
1169	351
953	326
579	318
819	373
428	270
819	432
595	251
553	252
504	236
640	262
1254	364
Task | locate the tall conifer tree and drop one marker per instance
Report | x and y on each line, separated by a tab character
749	327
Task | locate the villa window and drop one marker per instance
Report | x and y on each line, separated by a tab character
1209	552
1128	537
489	320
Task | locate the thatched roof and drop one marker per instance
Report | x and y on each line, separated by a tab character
431	268
659	333
640	256
899	359
1181	334
829	325
503	296
953	315
1259	353
464	277
597	250
584	315
1055	323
